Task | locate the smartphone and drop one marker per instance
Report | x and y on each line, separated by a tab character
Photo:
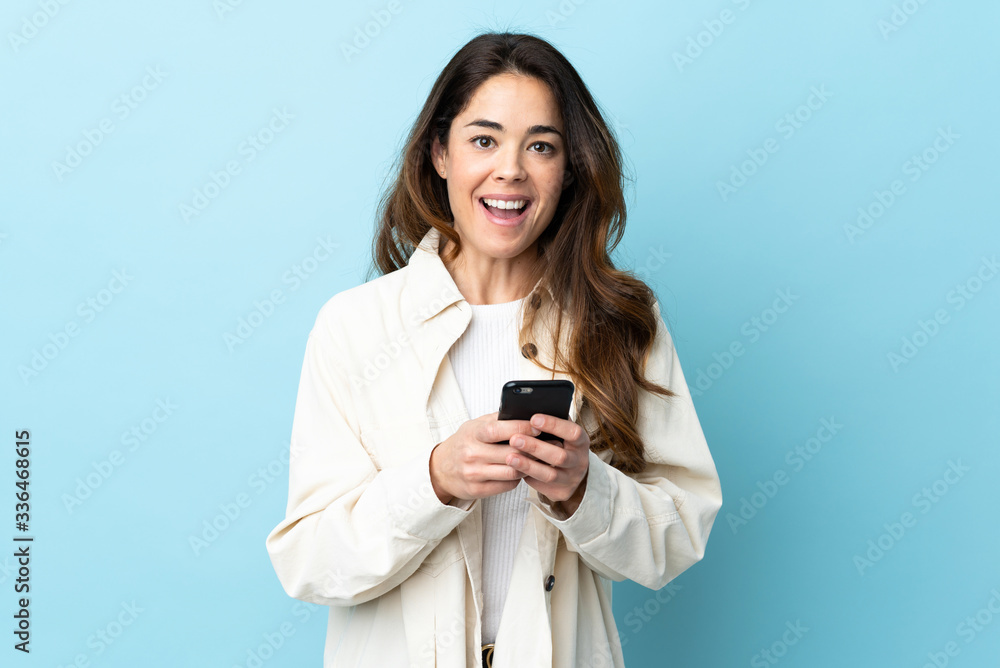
520	399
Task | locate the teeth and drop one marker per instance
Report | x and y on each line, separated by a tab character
500	204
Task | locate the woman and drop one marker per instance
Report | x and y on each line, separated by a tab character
432	543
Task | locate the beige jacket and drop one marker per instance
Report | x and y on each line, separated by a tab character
365	534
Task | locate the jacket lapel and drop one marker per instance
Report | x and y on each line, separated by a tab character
438	314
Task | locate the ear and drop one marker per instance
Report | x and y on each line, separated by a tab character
438	156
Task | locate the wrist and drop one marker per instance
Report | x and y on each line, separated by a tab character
570	505
443	496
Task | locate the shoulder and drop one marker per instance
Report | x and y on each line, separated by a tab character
369	303
661	356
662	331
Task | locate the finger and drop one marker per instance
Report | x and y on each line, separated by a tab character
567	430
500	471
488	454
534	469
552	454
498	431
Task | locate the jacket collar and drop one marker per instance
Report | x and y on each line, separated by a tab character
427	294
430	287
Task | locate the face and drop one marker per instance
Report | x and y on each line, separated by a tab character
506	145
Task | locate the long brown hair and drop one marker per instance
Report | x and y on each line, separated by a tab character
610	310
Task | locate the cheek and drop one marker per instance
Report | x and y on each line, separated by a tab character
553	191
458	189
554	181
466	177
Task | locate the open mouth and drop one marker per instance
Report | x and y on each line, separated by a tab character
504	214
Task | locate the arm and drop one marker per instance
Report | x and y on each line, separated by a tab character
650	527
350	532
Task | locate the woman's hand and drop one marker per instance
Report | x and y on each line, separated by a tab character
559	473
471	464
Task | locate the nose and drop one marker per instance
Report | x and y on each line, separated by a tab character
509	165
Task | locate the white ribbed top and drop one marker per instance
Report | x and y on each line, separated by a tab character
484	358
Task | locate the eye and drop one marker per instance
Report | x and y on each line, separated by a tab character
478	142
477	139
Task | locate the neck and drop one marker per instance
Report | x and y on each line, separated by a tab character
489	280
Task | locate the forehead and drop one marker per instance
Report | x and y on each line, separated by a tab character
515	101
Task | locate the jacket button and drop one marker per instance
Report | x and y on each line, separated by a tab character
529	350
550	582
536	301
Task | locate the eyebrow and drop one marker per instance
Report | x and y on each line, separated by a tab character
533	130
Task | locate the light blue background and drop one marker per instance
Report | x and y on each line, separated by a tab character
683	129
